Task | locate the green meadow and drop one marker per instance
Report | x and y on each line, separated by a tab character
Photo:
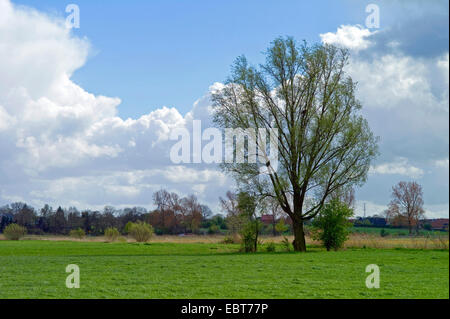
37	269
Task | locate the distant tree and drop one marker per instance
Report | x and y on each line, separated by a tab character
281	226
45	214
6	216
168	207
74	219
407	204
218	220
16	207
128	215
345	195
26	216
58	222
191	213
273	207
213	229
108	218
86	221
206	212
229	206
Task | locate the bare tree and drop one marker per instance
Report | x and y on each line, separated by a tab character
407	204
168	206
191	213
273	206
324	144
346	196
230	206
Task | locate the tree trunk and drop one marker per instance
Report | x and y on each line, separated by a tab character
299	236
256	236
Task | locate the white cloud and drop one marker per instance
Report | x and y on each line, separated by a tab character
399	167
443	163
64	145
436	211
353	37
390	81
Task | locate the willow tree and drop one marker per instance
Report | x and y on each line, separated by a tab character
324	144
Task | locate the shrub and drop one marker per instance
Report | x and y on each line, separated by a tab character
249	237
281	227
270	247
126	229
77	233
14	232
228	240
331	225
383	232
213	229
286	244
112	234
122	239
141	232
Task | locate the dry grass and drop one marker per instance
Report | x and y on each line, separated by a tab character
355	240
372	241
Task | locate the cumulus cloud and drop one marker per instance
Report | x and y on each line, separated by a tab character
441	163
400	167
353	37
405	97
63	145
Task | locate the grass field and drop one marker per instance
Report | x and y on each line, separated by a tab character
36	269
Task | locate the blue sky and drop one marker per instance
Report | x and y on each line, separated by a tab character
156	53
99	135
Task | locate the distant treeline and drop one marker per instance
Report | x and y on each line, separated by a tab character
173	215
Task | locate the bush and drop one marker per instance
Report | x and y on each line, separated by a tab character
249	237
228	240
14	232
122	239
270	248
331	225
141	232
383	232
213	229
286	244
77	233
112	234
281	227
126	229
